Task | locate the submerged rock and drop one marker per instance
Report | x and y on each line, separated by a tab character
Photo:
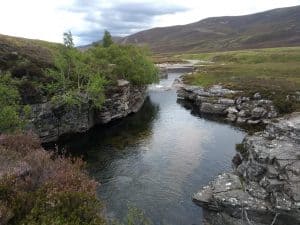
265	186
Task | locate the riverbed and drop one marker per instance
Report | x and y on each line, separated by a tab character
156	159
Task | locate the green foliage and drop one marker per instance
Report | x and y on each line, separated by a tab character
95	89
11	118
242	150
107	39
65	208
78	73
128	62
274	73
285	105
136	216
74	76
68	39
55	191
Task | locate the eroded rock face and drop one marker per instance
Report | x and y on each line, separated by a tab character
265	185
222	102
49	122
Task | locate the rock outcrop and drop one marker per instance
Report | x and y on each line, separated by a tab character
264	187
50	121
229	104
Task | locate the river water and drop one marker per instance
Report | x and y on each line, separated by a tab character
156	159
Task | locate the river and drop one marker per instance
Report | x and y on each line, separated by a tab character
156	159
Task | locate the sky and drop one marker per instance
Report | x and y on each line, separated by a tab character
87	19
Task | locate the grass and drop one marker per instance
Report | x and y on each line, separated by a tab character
274	72
166	58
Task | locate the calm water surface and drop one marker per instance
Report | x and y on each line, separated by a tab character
156	159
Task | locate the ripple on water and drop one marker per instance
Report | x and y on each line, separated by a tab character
157	158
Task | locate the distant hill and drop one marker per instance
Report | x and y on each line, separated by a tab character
274	28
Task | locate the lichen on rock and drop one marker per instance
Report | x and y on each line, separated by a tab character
265	186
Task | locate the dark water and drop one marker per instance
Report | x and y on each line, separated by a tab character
156	159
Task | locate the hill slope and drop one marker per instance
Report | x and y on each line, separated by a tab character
274	28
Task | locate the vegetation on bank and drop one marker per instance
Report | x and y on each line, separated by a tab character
37	187
33	71
274	73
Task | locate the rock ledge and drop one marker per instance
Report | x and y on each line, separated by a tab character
265	184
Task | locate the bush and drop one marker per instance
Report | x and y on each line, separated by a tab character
37	187
284	105
11	108
128	62
65	208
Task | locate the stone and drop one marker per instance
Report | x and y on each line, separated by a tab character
258	112
226	101
209	108
51	121
231	117
265	182
257	96
232	110
241	120
253	122
215	100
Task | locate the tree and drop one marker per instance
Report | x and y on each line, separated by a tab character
107	39
68	39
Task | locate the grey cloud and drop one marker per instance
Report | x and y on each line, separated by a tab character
120	18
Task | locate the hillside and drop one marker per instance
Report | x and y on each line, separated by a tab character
274	28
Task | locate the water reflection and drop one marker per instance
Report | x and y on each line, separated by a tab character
155	159
115	136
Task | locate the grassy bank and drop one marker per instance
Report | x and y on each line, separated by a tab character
33	71
274	72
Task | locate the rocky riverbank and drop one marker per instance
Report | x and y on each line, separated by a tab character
229	104
51	121
264	187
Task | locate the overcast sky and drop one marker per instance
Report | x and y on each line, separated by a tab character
48	19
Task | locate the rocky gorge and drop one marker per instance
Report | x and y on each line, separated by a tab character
264	187
50	121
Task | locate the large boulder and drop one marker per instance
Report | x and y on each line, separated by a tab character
265	186
50	121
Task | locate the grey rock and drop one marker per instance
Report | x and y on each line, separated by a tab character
218	109
232	110
257	96
258	112
241	120
253	122
266	182
226	101
216	99
51	121
231	117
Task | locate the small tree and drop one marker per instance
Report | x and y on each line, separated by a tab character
107	39
68	39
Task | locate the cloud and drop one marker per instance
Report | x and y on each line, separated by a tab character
119	17
87	19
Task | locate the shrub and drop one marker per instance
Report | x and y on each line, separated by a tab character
37	187
107	39
129	62
11	108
